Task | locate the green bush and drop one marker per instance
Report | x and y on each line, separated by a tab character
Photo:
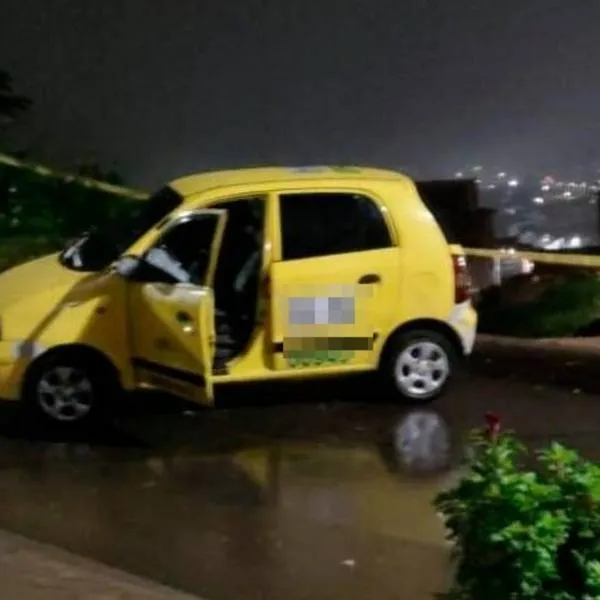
524	534
16	250
39	214
563	310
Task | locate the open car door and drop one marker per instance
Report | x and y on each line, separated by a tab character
172	313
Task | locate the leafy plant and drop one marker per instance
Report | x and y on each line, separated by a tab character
523	534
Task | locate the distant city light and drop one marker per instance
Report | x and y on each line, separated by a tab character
527	266
556	244
522	201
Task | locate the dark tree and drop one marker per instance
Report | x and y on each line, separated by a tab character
11	104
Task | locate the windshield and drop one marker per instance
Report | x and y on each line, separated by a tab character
103	243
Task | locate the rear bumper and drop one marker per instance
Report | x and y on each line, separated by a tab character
463	320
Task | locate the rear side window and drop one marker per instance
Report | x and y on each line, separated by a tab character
326	224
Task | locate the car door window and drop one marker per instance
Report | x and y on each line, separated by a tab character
183	251
242	241
325	224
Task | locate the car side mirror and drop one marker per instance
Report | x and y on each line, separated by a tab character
90	252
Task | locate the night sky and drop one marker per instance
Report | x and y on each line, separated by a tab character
167	87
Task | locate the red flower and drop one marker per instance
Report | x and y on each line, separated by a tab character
492	421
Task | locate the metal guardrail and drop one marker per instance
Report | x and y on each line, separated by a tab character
575	260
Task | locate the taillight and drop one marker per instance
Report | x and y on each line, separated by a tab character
462	279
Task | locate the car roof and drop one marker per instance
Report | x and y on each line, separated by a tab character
194	184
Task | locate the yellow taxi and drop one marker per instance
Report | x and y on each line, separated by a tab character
237	276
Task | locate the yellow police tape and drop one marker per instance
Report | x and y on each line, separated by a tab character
87	182
551	258
574	260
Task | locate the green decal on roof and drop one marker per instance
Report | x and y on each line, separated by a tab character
308	169
346	169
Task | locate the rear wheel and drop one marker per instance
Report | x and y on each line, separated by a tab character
69	389
419	365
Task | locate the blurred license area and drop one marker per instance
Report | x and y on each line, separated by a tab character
332	326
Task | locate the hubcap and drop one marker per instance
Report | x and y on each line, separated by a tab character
65	393
422	369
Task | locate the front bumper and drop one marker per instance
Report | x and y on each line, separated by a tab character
12	371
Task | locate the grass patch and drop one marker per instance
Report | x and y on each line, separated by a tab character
563	310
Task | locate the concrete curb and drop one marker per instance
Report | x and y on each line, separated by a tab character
584	346
34	571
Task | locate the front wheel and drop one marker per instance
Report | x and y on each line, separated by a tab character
68	390
419	365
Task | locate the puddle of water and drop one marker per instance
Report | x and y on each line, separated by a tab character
311	501
318	519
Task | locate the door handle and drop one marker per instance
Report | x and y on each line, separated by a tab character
369	278
185	320
183	317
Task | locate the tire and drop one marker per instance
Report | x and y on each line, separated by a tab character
69	389
418	366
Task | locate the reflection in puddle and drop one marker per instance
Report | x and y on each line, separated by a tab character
422	443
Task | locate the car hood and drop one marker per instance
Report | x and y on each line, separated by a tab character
35	277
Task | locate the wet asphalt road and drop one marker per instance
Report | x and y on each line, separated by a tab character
302	499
